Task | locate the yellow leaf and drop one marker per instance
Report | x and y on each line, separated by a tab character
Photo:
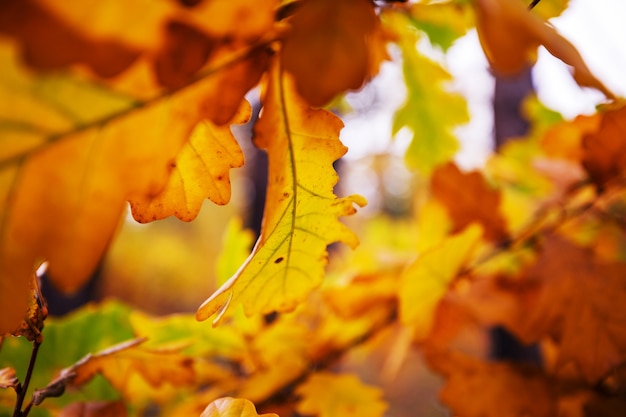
328	395
301	212
65	177
232	407
510	35
333	46
426	281
199	172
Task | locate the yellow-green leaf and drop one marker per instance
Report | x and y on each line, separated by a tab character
430	111
232	407
201	171
328	395
301	213
426	281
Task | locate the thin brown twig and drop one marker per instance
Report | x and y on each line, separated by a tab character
533	4
17	411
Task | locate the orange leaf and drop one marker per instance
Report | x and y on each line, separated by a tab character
569	295
469	199
604	150
201	171
301	212
510	35
333	46
329	395
478	389
232	407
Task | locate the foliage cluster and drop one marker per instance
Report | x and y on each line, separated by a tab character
93	117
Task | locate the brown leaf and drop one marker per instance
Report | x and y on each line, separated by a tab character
95	409
468	198
478	389
332	47
569	295
604	150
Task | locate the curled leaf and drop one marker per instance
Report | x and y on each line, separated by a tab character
232	407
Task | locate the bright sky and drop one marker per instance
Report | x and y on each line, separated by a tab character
595	27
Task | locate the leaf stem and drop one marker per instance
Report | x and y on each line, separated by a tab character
533	4
17	411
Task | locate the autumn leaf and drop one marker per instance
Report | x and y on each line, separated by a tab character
512	390
117	364
444	23
8	378
433	141
569	295
112	149
510	35
332	47
424	283
301	213
468	198
54	34
232	407
604	149
329	395
200	171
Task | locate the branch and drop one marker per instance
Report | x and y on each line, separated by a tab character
17	411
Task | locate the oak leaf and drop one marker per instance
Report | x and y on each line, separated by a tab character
511	390
433	142
332	47
604	149
468	198
510	35
569	295
200	171
444	23
72	155
301	211
232	407
425	282
329	395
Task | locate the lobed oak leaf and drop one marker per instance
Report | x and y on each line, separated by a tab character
425	282
301	212
444	23
604	149
232	407
332	47
510	35
68	169
200	171
329	395
8	378
468	198
569	295
479	389
433	142
565	139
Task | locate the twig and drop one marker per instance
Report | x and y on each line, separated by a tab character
533	4
17	411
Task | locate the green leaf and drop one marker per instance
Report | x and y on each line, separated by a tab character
430	111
